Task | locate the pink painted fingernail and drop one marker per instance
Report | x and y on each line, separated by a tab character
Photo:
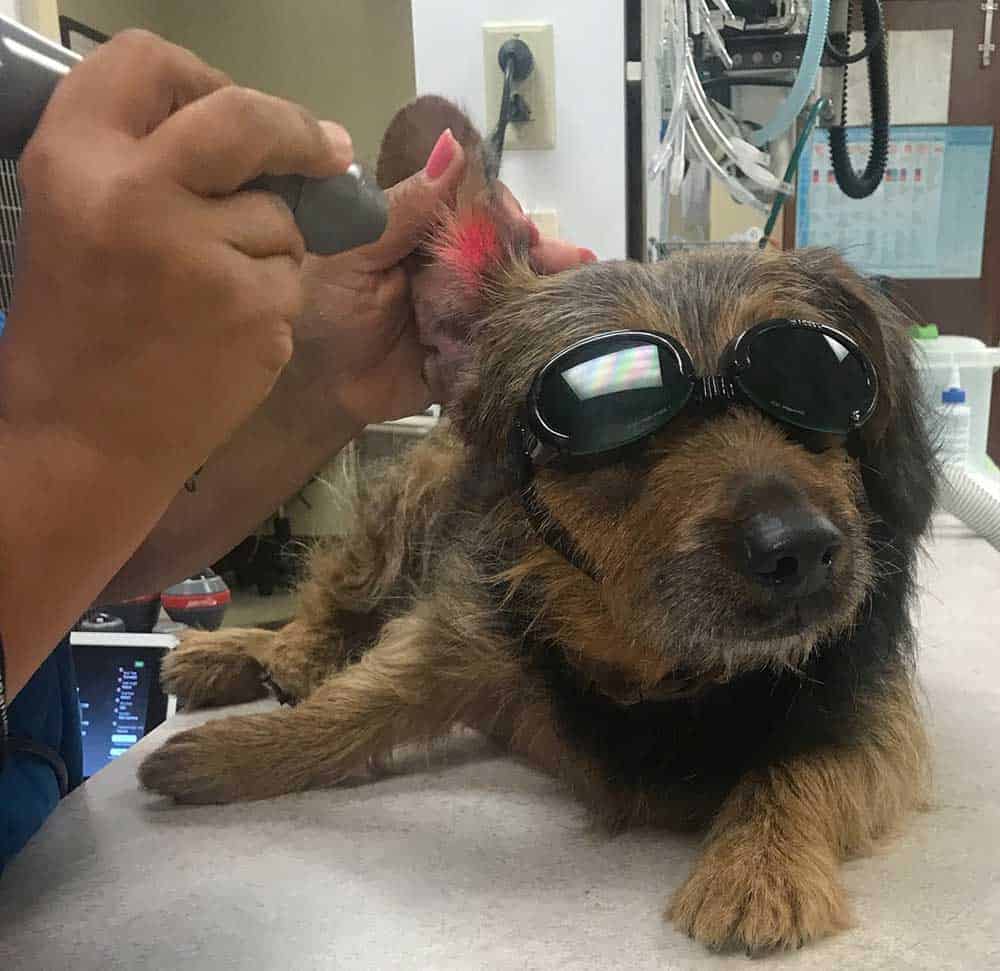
587	255
441	155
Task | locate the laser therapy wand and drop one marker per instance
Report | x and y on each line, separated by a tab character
333	215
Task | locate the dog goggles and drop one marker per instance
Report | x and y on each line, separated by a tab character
615	389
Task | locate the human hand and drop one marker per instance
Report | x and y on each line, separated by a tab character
153	309
357	341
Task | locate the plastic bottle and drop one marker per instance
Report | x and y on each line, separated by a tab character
955	420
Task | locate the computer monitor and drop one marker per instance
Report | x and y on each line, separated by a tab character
118	677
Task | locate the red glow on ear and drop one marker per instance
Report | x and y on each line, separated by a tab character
469	247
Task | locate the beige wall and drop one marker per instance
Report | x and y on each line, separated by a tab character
729	217
349	60
110	16
39	15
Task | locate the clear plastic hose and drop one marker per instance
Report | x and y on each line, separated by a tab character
739	191
740	150
674	56
805	80
721	150
714	38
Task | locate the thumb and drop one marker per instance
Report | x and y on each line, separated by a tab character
415	203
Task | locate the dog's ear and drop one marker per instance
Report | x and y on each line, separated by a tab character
898	462
479	238
412	135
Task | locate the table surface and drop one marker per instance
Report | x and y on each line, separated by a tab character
468	859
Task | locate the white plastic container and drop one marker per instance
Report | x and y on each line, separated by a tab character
977	363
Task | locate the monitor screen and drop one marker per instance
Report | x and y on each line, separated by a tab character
120	698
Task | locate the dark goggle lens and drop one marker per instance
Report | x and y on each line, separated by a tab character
808	378
610	393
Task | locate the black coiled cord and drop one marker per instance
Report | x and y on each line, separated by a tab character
844	57
851	183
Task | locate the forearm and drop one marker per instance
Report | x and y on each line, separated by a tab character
67	523
290	438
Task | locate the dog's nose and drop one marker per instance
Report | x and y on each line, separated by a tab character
792	552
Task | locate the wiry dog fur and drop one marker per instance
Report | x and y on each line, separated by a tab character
674	691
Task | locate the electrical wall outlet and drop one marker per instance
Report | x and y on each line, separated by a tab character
547	221
538	90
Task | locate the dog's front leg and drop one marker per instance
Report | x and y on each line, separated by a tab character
768	876
415	683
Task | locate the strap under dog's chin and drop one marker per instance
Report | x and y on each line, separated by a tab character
551	532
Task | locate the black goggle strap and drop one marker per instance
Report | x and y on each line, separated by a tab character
551	532
856	444
714	392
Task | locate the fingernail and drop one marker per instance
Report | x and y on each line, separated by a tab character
339	140
587	255
441	155
534	236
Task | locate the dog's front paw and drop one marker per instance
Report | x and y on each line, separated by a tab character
222	761
759	899
212	668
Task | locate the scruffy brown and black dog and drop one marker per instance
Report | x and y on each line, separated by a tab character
607	627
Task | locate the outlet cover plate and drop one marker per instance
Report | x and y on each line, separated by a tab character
547	221
538	90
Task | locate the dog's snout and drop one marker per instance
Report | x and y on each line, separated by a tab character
791	552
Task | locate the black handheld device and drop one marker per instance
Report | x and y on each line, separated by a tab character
334	215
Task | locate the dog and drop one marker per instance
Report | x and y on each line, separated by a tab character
706	627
